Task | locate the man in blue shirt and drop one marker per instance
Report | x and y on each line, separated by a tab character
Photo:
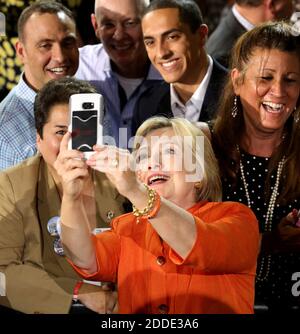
47	47
118	67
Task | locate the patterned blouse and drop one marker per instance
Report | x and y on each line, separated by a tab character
276	289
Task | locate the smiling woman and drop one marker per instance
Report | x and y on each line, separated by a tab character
269	90
179	251
256	139
178	145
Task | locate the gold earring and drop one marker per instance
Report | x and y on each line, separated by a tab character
198	185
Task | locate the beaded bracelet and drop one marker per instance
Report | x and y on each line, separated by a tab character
151	208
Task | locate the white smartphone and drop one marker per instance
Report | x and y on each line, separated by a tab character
86	119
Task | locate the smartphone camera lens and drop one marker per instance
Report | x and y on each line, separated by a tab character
88	105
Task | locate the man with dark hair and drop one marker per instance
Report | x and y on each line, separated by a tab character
118	67
47	47
34	274
174	36
244	15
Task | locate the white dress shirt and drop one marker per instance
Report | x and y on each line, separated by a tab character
242	20
192	109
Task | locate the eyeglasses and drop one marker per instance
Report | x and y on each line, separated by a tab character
54	229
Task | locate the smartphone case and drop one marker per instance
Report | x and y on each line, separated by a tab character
86	119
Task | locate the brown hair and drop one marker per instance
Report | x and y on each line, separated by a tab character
56	92
228	131
41	7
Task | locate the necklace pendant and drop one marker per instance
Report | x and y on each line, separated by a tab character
265	266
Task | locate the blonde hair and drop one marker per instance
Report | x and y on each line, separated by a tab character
210	188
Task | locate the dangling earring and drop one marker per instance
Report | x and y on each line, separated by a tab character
296	116
234	109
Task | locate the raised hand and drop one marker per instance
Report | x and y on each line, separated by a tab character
289	234
71	168
118	165
284	238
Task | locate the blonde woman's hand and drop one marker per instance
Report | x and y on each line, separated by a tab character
118	165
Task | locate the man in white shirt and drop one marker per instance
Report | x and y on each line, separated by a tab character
118	67
174	36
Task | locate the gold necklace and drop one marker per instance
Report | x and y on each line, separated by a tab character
265	260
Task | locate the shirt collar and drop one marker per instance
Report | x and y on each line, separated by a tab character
241	19
198	96
22	89
106	62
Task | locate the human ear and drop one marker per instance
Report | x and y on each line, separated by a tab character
95	25
38	141
20	50
203	32
270	9
235	79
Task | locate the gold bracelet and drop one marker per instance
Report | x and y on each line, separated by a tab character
152	195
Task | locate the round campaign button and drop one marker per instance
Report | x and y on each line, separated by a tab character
53	226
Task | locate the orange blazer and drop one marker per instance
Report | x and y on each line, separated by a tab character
218	275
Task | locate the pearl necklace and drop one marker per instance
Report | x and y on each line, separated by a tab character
269	216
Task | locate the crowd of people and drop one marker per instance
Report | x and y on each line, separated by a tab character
190	204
